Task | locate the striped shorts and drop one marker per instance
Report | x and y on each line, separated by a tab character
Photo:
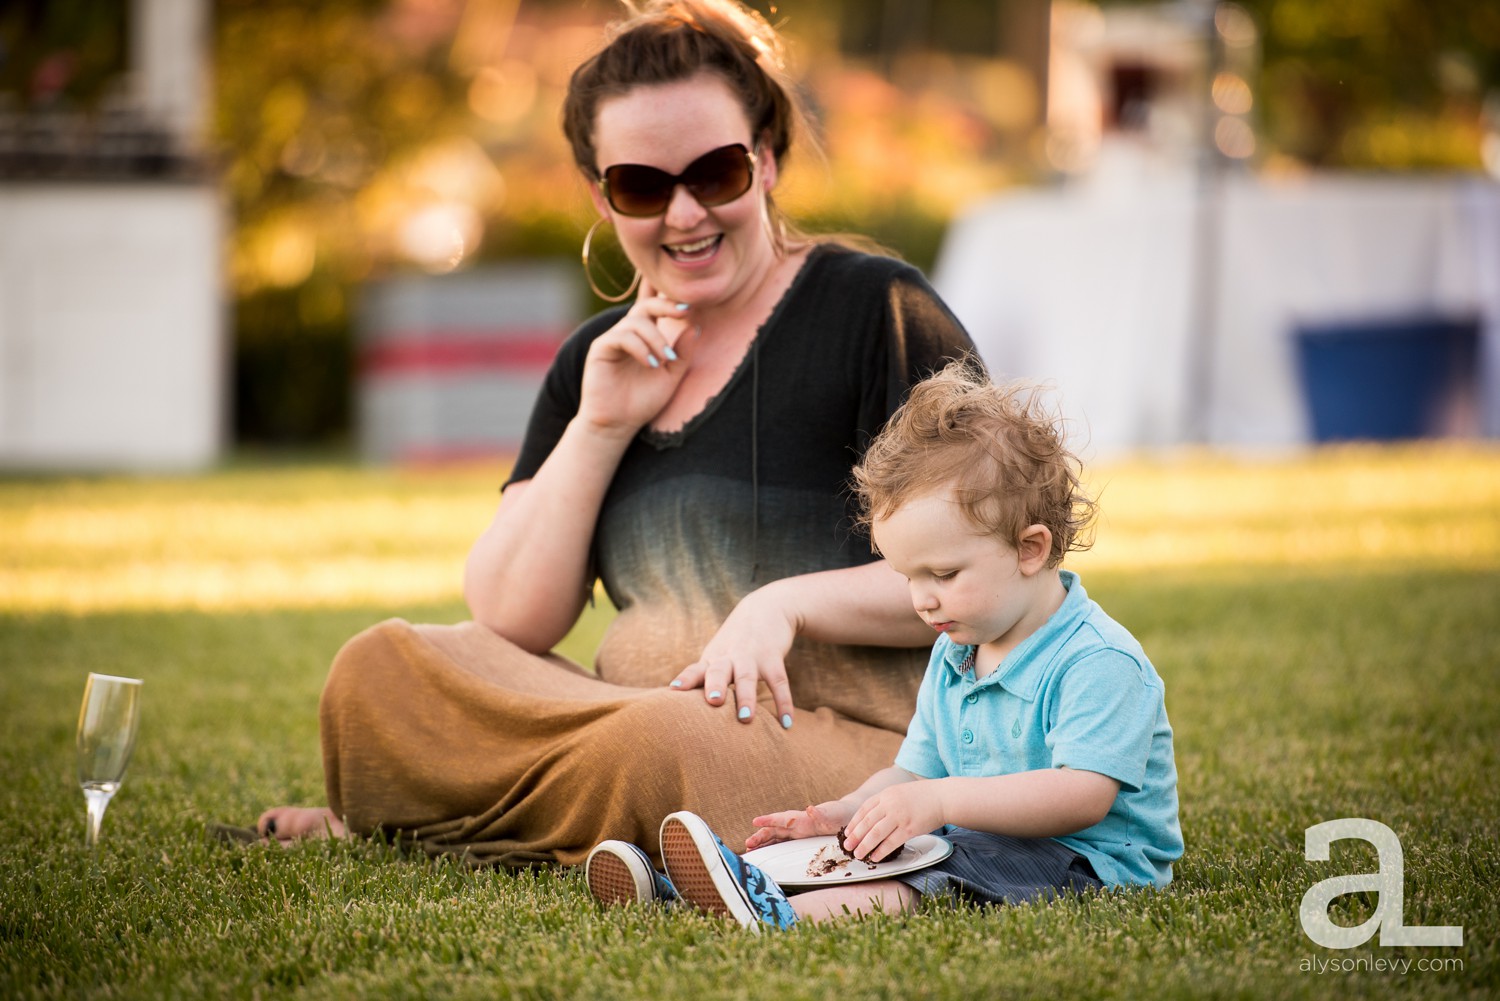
998	869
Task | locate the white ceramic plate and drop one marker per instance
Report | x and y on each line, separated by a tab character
787	861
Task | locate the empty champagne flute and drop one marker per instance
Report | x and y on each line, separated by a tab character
106	736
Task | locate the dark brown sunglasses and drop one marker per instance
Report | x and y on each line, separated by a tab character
715	178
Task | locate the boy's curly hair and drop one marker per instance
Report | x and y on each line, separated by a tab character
997	447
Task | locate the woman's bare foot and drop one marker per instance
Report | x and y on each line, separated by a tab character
293	823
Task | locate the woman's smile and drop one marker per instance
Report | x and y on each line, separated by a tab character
694	252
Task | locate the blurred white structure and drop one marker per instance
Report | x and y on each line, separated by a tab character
1161	286
1092	288
111	317
168	44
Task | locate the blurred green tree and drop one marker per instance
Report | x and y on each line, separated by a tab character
314	102
1388	84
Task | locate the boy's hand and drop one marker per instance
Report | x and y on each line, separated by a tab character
791	825
893	816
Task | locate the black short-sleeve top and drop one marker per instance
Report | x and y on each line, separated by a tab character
755	487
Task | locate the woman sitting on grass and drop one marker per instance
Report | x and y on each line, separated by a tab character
690	450
1040	746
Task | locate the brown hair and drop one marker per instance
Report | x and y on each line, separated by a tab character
671	40
997	448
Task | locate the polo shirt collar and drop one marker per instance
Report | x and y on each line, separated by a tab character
1022	670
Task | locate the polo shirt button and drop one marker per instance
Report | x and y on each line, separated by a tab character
971	698
968	736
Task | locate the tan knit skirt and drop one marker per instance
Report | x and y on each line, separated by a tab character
460	740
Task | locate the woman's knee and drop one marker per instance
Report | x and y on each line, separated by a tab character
379	644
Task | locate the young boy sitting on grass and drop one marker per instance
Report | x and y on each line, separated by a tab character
1040	746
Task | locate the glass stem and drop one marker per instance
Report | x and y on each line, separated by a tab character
97	800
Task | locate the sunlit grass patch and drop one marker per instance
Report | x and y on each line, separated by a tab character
1413	506
291	538
330	536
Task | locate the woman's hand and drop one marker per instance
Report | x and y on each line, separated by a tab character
791	825
893	816
866	605
750	647
633	368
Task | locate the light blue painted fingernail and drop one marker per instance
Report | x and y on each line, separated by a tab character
683	307
744	712
786	721
671	355
651	360
716	695
677	684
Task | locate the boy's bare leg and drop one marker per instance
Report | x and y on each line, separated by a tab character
292	823
887	895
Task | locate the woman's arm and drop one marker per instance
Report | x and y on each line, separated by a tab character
527	575
867	605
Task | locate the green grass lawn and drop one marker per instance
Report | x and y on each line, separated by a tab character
1328	626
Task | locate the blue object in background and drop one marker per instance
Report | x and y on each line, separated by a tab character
1385	380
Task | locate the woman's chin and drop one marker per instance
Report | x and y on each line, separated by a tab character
694	289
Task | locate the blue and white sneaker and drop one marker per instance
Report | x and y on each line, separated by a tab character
716	880
618	872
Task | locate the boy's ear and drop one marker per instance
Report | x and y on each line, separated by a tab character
1034	548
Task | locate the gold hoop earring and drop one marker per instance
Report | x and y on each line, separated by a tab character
588	276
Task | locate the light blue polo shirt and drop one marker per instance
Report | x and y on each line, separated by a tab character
1078	692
